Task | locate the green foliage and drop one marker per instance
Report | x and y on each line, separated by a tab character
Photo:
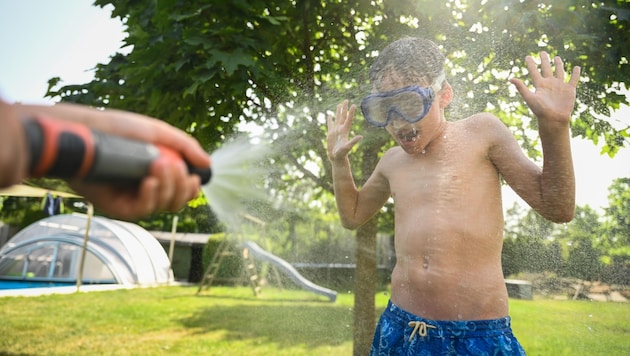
584	262
618	210
591	247
231	266
23	211
528	247
191	218
584	33
618	231
209	67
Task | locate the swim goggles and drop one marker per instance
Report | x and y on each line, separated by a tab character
410	103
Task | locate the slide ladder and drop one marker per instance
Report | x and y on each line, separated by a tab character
212	271
249	265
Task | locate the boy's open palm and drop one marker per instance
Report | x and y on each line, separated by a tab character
338	130
553	99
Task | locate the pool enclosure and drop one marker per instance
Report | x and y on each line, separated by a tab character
117	252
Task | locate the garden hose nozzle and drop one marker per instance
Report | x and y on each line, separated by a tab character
65	149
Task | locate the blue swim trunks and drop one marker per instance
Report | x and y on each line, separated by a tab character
399	332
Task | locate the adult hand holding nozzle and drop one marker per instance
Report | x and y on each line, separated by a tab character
91	158
72	150
166	185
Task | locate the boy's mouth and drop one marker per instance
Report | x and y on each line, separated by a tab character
408	136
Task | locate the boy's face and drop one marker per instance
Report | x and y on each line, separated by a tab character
406	112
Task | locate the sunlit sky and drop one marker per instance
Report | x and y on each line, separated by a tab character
42	39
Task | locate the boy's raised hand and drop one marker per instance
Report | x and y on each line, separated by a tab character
338	130
553	98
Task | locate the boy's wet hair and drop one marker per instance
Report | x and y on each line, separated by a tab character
408	61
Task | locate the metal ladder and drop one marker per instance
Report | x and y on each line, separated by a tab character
249	267
249	274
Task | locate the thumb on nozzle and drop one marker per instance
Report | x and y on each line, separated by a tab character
204	173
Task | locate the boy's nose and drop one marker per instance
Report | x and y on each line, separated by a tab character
397	121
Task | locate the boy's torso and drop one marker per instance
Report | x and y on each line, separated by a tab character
448	227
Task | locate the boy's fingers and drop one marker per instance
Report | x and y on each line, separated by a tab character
575	76
355	140
560	73
532	68
545	64
520	86
350	116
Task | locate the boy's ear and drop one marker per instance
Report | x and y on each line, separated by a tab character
445	95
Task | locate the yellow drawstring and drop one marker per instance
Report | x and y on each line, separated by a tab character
420	327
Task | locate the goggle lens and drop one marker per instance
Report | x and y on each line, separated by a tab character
410	103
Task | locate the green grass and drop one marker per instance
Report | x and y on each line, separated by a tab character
231	321
548	327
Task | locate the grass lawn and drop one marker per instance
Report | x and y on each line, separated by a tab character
548	327
231	321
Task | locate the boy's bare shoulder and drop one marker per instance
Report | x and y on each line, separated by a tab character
484	124
480	120
392	153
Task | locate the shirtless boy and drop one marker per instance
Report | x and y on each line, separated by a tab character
448	293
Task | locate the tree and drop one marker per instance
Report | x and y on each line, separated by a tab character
617	229
528	244
584	262
582	245
618	211
209	67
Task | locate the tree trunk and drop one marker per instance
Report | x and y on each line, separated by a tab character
365	288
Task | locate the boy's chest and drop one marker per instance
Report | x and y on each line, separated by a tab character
448	171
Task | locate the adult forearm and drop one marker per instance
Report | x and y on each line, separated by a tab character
13	151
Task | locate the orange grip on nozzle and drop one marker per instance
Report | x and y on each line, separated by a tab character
204	173
168	154
53	132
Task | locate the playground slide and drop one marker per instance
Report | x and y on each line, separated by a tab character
259	253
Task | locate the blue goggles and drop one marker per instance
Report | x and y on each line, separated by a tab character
410	103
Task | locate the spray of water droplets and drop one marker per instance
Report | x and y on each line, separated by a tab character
237	176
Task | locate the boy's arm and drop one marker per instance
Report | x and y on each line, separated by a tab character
553	192
355	207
